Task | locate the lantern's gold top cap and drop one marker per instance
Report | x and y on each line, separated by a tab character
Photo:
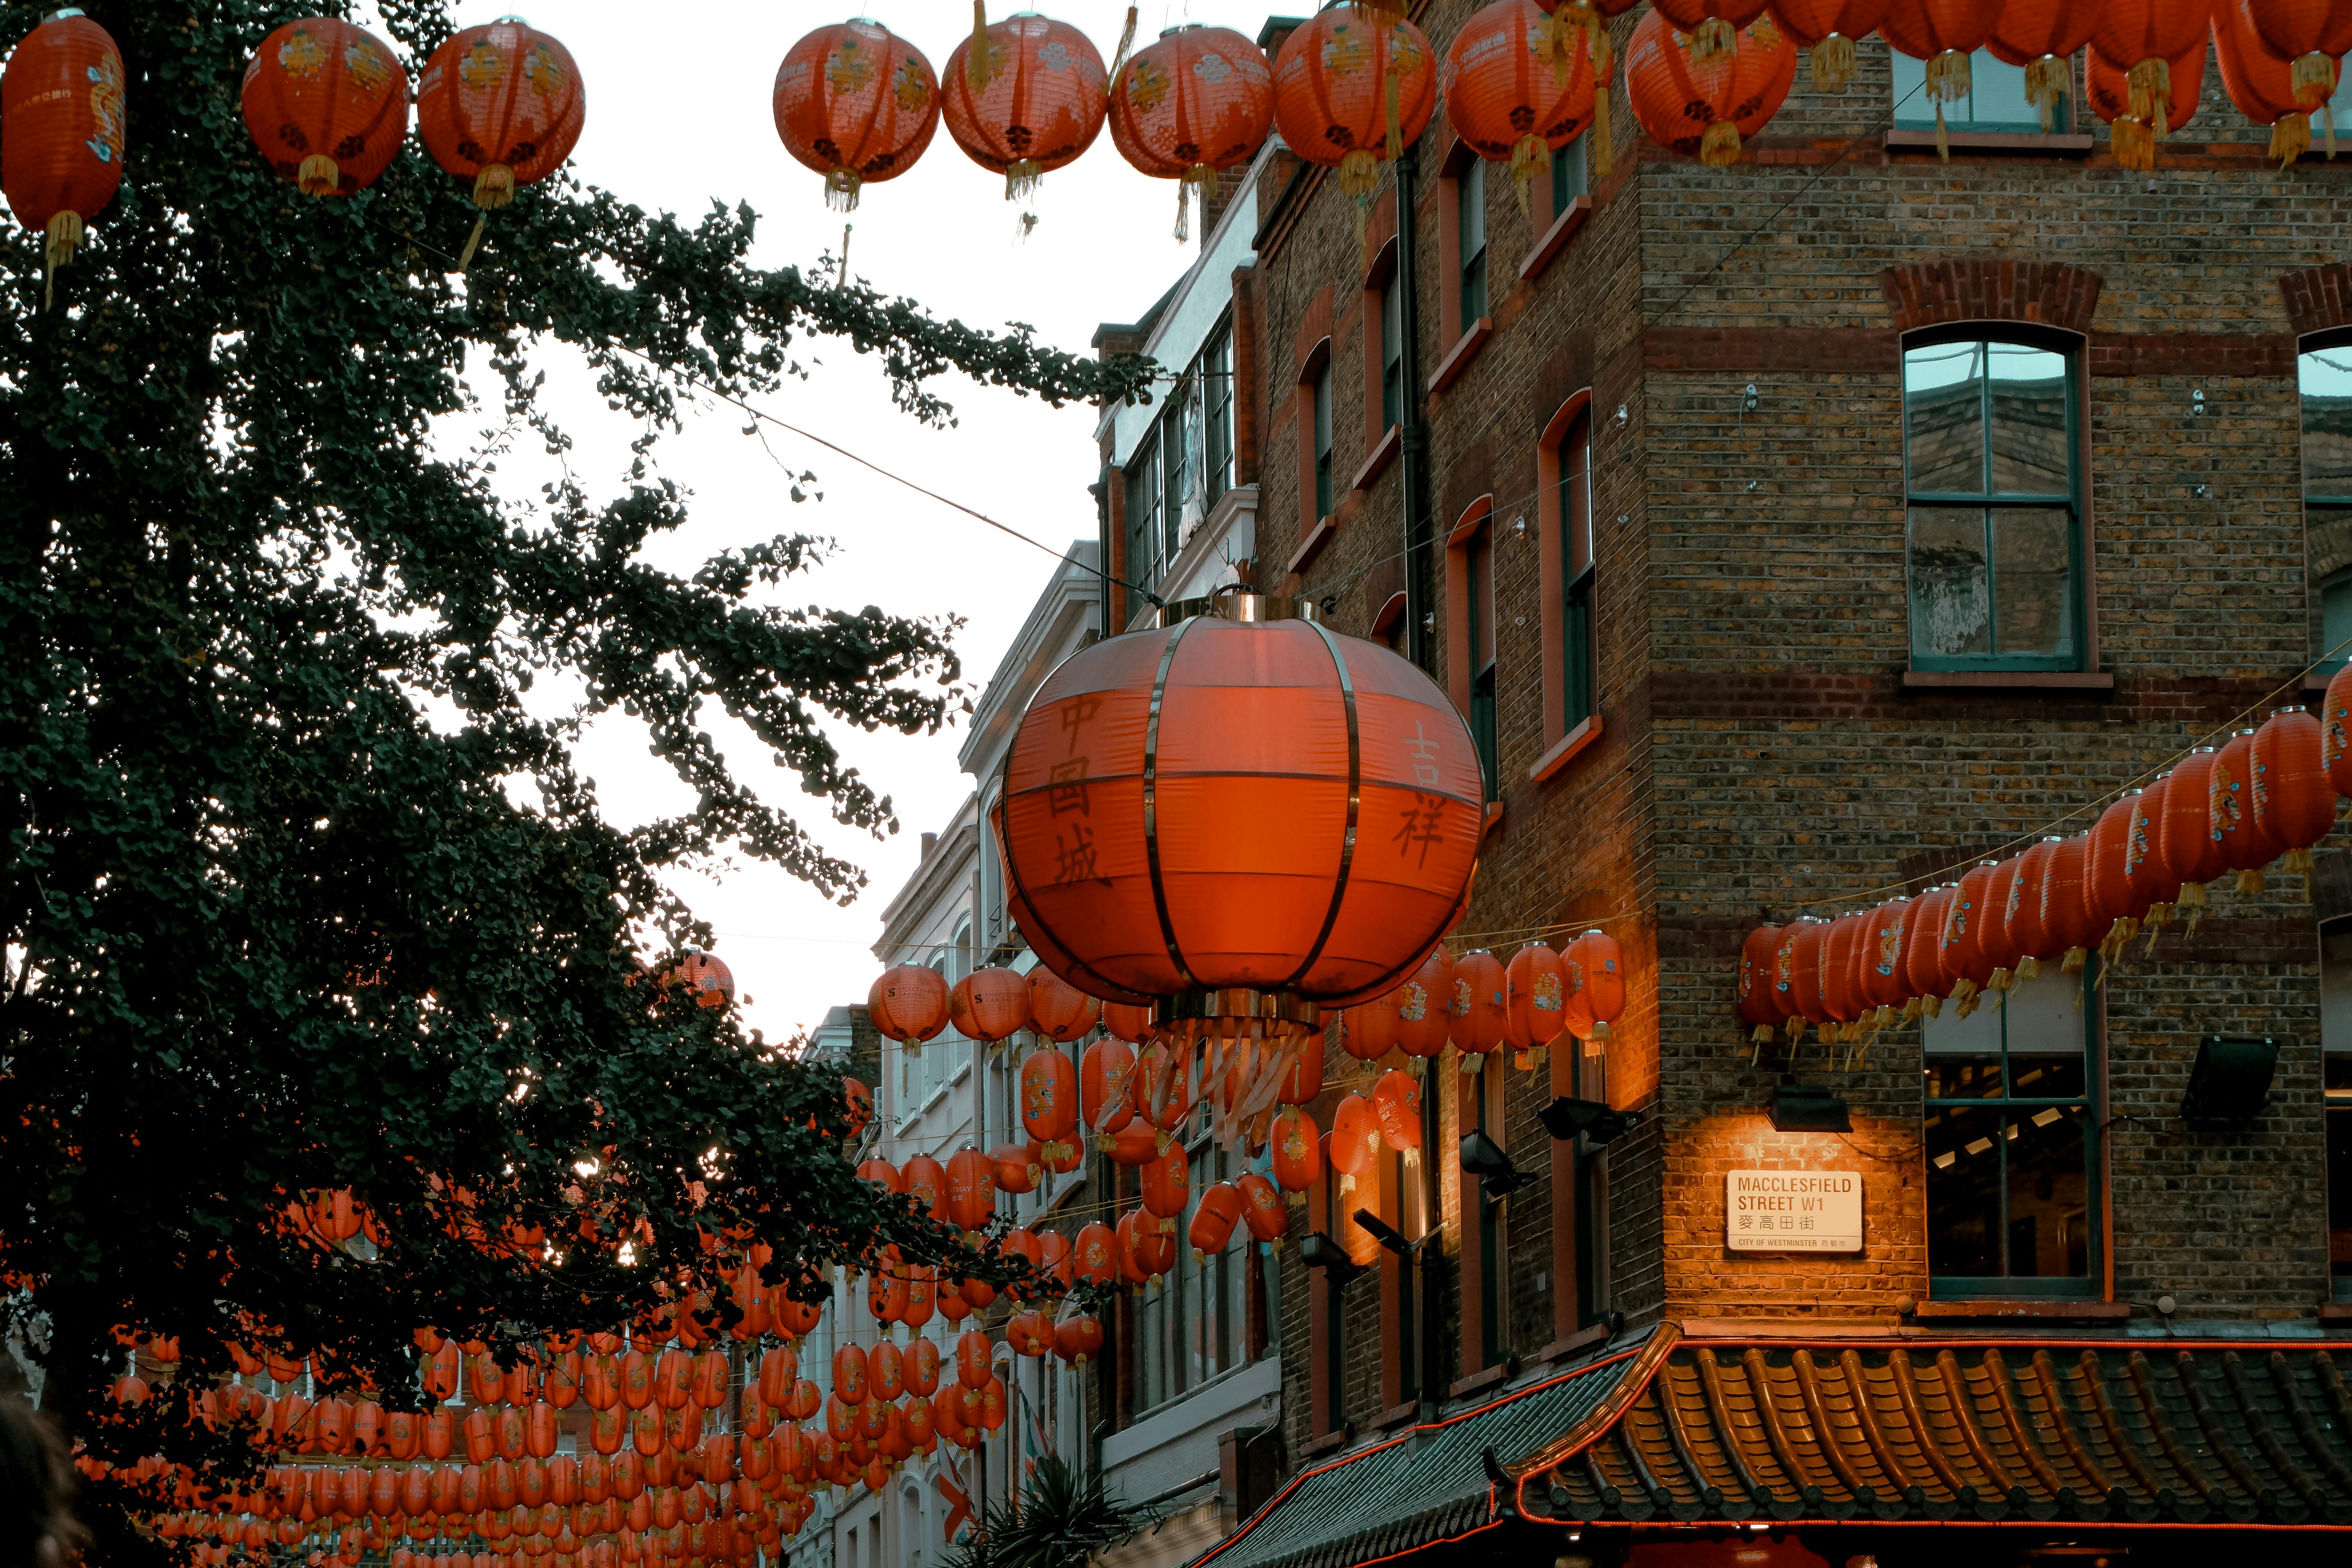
1242	605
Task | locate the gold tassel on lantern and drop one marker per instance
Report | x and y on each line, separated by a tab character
2028	968
1947	82
2047	81
64	237
1021	179
2314	78
2192	898
1360	176
318	176
1719	148
2251	884
1196	179
1529	157
2158	917
2133	143
1964	993
979	69
1710	38
2150	82
2298	861
2289	139
1910	1013
2072	963
1831	64
841	188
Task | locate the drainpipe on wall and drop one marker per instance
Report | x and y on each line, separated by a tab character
1412	447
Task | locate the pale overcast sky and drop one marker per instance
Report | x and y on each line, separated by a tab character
678	115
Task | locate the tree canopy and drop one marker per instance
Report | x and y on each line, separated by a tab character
302	890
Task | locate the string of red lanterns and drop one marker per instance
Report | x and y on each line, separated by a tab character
2262	799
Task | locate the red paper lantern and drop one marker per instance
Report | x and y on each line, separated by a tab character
2142	38
1996	950
849	1374
2044	37
2246	842
1826	30
1883	980
1841	996
326	104
1195	103
1535	986
1396	1105
1059	1010
1355	1135
1094	1254
1478	1009
499	105
1505	97
1596	976
61	117
1027	102
2191	851
990	1003
1049	1097
2107	893
1923	939
1706	105
1127	1021
703	977
1078	1340
882	1173
971	1188
2108	87
2067	919
1232	890
2153	885
1297	1152
1803	962
1755	996
1353	91
909	1003
2293	802
1212	1222
1367	1030
2261	83
924	1180
1425	1005
1147	1251
1263	1210
1167	1184
856	103
1107	1086
2311	35
1943	34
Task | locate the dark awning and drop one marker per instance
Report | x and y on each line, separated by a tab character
2015	1430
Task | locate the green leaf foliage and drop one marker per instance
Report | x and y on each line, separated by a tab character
301	891
1057	1521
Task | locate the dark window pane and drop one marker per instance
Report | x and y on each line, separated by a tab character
2049	1207
2338	1082
2030	454
1567	176
1943	411
2033	570
2325	377
1964	1223
1951	610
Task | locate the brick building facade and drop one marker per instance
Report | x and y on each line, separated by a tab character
1650	515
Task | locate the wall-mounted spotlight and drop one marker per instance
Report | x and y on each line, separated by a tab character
1565	1118
1485	1159
1807	1108
1387	1234
1319	1251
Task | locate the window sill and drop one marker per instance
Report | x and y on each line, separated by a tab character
1330	1442
2007	680
2335	1313
1458	358
1589	1335
1502	1372
1494	819
1554	237
1312	545
2068	144
1391	442
2048	1310
1395	1416
1565	749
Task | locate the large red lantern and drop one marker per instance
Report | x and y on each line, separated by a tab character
61	114
327	104
1192	105
1240	815
2246	842
1479	1012
1923	973
1882	955
2107	893
1106	1083
2191	851
1596	975
500	105
1298	1149
1942	33
1029	102
856	103
2108	87
1535	985
1707	107
2067	919
2044	37
1504	95
1049	1098
2143	38
2261	83
1351	91
1826	31
908	1003
2149	874
1754	997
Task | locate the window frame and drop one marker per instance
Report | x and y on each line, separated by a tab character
1474	684
2089	1285
2069	347
1213	369
2340	576
1322	439
1566	514
1470	214
1142	478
